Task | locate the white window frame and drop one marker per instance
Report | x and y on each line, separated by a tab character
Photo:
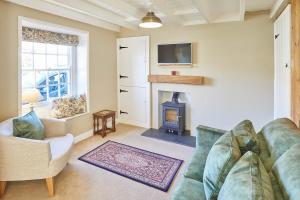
72	69
81	59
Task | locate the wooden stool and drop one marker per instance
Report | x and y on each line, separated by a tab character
104	115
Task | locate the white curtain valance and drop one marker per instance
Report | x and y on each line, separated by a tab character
43	36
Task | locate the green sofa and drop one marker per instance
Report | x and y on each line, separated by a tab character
275	140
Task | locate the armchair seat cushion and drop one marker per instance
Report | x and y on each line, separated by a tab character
60	145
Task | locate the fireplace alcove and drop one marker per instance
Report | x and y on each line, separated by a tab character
158	132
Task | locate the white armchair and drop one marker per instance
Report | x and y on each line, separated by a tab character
27	159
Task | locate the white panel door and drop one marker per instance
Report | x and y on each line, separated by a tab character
133	59
133	87
133	105
282	80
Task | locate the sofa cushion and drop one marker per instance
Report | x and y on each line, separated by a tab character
276	187
189	189
247	180
264	154
287	172
246	136
221	158
6	127
280	135
193	170
28	126
206	137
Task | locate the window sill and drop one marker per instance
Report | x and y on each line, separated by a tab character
75	116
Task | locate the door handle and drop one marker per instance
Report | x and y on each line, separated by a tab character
120	47
286	65
276	36
122	112
121	76
123	91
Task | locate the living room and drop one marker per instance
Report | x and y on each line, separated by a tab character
149	99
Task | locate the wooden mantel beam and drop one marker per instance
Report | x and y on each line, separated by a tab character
295	5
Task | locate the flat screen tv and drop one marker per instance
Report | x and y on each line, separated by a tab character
175	53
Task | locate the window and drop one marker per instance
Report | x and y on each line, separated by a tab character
47	67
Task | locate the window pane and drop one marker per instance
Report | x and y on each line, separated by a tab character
27	47
64	77
64	90
39	61
51	61
41	78
51	48
28	79
63	50
53	91
53	77
27	62
43	91
63	61
39	47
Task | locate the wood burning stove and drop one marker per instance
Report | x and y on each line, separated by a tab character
173	116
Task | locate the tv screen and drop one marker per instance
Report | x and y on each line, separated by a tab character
175	53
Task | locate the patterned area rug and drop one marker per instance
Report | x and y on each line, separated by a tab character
146	167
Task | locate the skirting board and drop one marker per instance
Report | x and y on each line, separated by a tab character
83	136
87	134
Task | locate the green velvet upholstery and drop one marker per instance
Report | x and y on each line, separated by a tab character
221	158
279	152
246	136
279	135
264	153
278	195
28	126
287	172
189	189
206	137
247	180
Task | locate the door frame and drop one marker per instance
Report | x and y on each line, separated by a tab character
147	124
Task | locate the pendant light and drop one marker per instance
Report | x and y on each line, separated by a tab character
150	21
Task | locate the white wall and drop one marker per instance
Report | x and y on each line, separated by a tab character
237	62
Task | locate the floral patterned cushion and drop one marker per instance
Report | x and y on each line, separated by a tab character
68	106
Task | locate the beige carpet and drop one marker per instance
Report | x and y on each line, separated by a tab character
82	181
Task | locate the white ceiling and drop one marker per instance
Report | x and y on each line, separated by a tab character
113	14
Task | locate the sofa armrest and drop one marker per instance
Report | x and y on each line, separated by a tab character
23	159
206	137
54	127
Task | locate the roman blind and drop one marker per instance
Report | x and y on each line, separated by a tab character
43	36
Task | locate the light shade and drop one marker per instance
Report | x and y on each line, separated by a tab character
150	21
31	96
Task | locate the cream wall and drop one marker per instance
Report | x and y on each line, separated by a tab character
102	63
236	59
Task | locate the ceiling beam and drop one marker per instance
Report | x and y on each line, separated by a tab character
121	8
194	22
88	9
199	4
242	9
259	12
278	7
63	12
162	9
186	11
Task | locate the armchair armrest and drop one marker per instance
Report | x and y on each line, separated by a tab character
54	127
23	159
